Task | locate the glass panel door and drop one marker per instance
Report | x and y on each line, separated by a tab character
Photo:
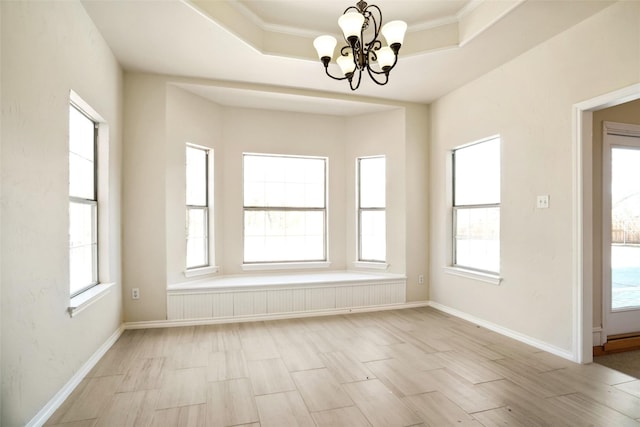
625	228
621	264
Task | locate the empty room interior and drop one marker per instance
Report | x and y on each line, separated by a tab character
319	213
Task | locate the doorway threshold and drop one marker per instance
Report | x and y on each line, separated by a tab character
618	343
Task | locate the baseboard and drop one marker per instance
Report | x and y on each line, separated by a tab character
43	415
616	345
506	332
264	317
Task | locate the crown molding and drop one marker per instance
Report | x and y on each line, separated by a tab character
286	41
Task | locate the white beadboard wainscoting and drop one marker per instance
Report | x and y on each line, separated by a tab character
245	296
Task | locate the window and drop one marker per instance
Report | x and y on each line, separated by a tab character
197	200
371	209
83	202
284	209
476	206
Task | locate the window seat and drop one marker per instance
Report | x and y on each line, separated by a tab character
271	295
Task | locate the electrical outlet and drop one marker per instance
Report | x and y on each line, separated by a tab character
135	293
543	202
421	279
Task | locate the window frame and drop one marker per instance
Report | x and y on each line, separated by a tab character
360	210
265	264
470	271
93	202
206	208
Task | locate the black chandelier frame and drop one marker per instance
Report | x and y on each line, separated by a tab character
364	54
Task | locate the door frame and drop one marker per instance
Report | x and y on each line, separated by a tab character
582	224
610	129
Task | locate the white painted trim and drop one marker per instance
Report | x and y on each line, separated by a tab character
505	331
473	7
285	266
468	8
202	271
582	287
268	27
613	321
582	221
265	317
56	401
81	301
493	279
599	338
234	283
623	129
370	265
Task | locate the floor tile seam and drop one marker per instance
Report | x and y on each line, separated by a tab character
293	371
181	406
311	369
623	382
359	380
62	424
588	398
275	392
62	420
617	387
601	402
543	393
306	404
372	422
492	381
228	379
451	401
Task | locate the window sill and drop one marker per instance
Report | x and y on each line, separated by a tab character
493	279
202	271
78	303
285	266
268	281
371	265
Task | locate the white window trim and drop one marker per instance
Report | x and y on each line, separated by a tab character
83	300
211	255
491	278
90	295
285	266
201	271
367	263
371	265
452	268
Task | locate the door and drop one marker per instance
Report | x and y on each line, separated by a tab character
621	228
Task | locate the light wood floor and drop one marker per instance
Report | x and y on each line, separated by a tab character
412	367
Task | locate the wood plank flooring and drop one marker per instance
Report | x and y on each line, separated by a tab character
412	367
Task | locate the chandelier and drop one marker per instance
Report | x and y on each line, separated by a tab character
358	22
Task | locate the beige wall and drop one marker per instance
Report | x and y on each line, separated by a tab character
161	117
48	49
529	103
143	197
624	113
418	188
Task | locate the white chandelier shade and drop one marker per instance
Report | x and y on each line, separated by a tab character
394	31
351	24
325	45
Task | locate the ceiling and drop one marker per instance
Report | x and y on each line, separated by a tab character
259	53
